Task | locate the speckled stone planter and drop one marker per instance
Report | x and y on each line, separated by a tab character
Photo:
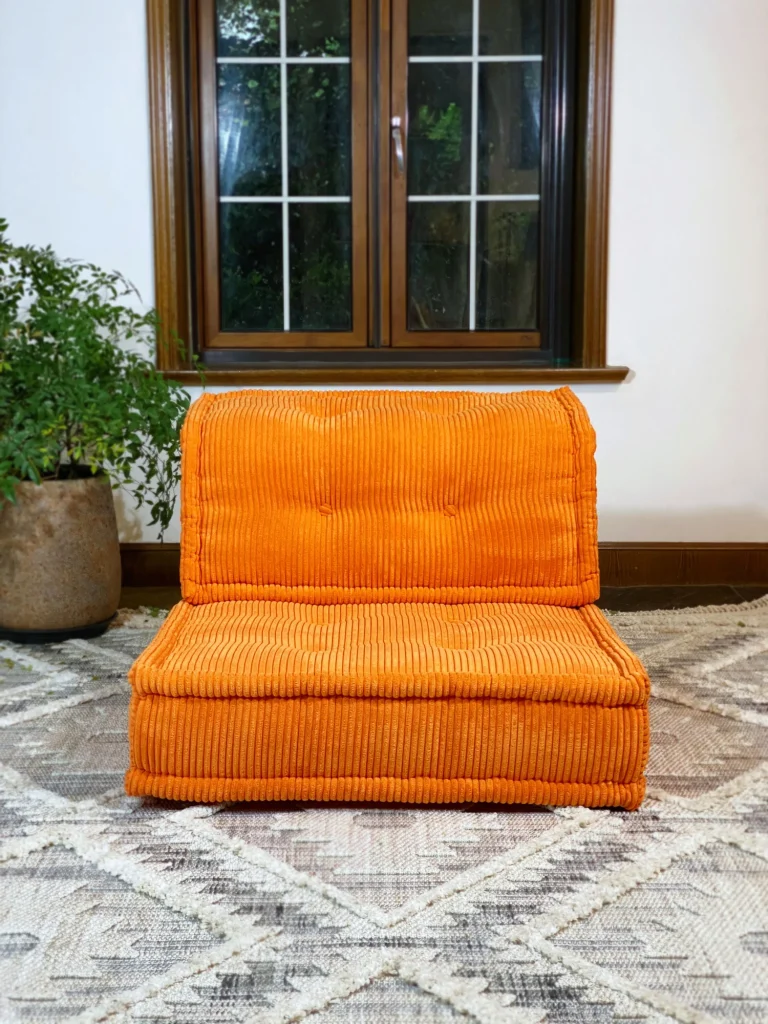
59	560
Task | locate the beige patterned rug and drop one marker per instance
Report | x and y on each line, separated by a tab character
115	909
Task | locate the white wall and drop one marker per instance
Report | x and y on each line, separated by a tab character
683	444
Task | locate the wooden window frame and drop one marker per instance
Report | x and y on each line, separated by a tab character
213	336
179	235
400	335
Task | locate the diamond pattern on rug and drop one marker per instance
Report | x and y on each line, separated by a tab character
237	989
694	931
384	855
745	682
77	752
541	883
13	822
72	934
184	915
694	752
393	1000
28	683
564	997
712	661
251	894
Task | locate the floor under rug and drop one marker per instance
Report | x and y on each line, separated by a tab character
114	909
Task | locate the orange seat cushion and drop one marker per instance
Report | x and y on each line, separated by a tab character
274	699
287	649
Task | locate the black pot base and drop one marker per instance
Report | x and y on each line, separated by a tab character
55	636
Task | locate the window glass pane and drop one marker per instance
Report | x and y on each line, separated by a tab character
440	28
507	265
248	28
439	128
321	262
511	27
251	242
318	27
319	130
438	266
509	121
249	129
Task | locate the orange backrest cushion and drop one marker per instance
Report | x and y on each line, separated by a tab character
336	496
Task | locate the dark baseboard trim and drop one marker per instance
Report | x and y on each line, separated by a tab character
621	564
654	564
150	565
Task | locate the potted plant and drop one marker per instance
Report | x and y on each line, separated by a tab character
82	411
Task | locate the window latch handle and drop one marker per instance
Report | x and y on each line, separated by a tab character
397	138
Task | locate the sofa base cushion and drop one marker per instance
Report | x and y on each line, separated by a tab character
277	700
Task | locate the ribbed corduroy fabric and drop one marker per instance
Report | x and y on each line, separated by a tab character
287	649
387	597
358	496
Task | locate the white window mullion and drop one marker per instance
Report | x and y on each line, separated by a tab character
284	164
278	60
473	167
289	199
511	197
490	58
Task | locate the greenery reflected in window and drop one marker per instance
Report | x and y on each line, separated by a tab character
507	266
251	239
248	28
321	261
319	143
438	266
249	130
469	249
439	28
439	136
318	28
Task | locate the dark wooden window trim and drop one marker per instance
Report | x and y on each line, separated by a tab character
169	146
214	337
176	240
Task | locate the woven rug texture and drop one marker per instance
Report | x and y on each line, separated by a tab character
124	910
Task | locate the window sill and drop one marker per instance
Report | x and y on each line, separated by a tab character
407	375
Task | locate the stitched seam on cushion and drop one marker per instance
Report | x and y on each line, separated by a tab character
490	595
198	495
563	396
387	778
167	636
609	648
193	523
646	743
190	516
201	497
213	779
325	587
368	699
600	640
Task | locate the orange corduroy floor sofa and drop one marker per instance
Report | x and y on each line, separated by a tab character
388	596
